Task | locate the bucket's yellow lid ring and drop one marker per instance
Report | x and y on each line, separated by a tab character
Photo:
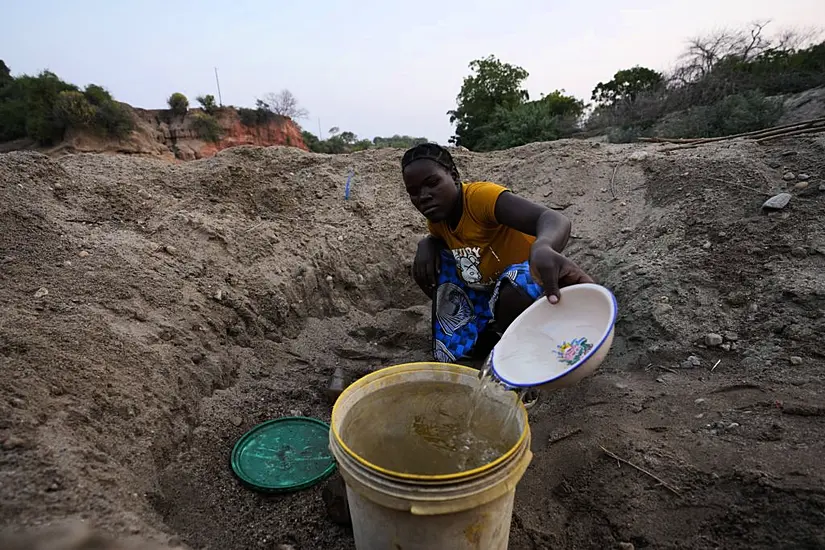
382	373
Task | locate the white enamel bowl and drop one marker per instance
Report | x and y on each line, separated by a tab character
556	345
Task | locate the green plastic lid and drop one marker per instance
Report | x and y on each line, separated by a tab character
285	454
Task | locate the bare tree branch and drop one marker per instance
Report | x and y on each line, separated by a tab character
285	104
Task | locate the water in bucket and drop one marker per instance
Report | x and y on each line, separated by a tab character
432	427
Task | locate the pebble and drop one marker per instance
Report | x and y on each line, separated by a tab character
774	164
789	176
733	425
796	360
296	412
699	401
236	420
725	347
713	339
626	546
691	362
707	245
731	337
639	156
801	185
58	186
803	177
171	250
219	295
753	308
626	230
340	238
329	279
67	263
778	202
799	252
83	253
53	487
41	292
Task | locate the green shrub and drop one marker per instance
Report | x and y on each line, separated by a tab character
208	103
527	123
258	116
178	104
5	74
12	119
114	119
97	95
42	107
626	134
249	117
72	109
734	114
207	127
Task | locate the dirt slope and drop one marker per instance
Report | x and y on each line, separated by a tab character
186	303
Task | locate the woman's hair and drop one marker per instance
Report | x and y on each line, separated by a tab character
433	152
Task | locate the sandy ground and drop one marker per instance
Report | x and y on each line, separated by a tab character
152	313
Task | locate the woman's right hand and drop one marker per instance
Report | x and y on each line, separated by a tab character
427	264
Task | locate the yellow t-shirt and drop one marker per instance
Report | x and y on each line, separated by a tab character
482	247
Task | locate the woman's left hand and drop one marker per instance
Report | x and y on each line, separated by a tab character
553	271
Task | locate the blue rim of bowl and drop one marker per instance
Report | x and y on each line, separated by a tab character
613	314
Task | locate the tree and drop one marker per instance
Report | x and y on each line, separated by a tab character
285	104
552	117
627	85
5	74
311	141
207	103
178	103
493	85
97	95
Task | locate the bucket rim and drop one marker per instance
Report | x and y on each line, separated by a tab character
397	370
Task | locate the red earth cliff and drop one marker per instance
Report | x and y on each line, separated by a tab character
159	133
180	137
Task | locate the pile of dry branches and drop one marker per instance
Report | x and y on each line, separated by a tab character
813	126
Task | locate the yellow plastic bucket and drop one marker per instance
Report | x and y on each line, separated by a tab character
406	511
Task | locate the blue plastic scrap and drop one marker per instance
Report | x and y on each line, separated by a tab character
346	189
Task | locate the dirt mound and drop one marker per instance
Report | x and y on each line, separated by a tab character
154	312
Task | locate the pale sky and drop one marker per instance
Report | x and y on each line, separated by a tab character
374	67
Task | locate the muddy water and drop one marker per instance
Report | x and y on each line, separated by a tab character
431	428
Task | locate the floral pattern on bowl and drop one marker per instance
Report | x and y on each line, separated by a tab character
571	352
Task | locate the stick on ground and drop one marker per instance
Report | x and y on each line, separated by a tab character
663	483
565	436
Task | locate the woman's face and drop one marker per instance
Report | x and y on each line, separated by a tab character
432	189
